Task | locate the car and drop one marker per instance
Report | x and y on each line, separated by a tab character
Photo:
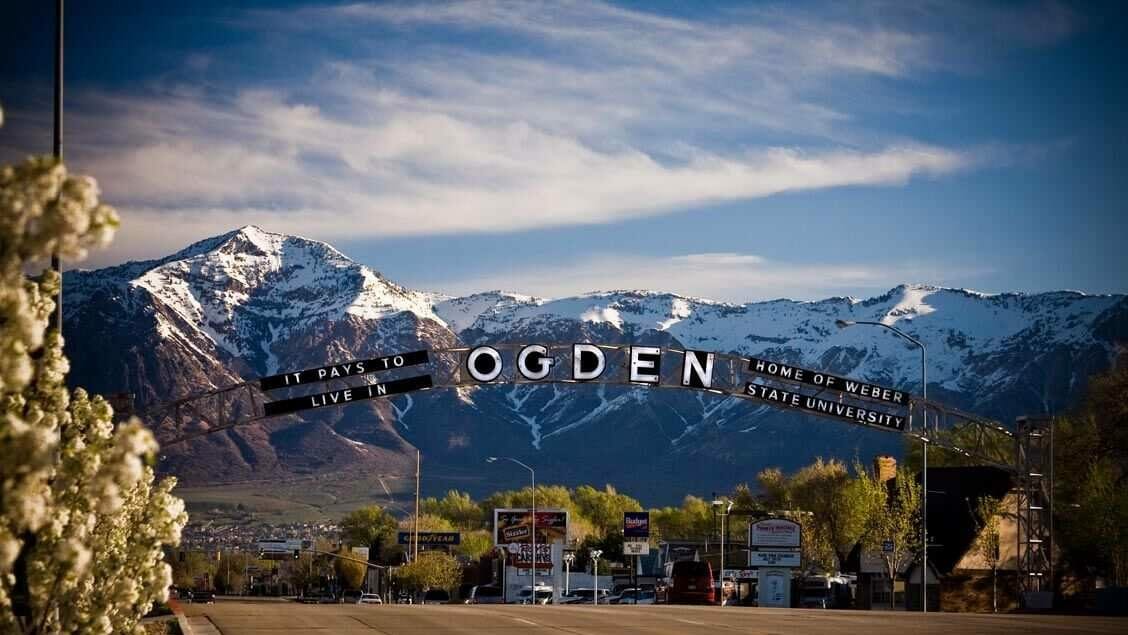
350	597
544	595
584	596
369	598
690	582
634	596
201	597
436	596
485	594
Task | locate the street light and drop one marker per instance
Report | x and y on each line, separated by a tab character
595	553
726	506
533	477
924	445
569	558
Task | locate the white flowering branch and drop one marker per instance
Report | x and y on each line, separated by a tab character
82	522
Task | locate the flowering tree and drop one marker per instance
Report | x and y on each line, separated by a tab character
82	523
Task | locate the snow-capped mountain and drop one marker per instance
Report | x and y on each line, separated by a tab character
251	303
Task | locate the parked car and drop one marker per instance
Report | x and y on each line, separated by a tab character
350	597
584	596
634	596
485	594
436	596
369	598
201	597
690	582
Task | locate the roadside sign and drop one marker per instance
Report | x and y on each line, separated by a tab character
431	538
347	395
636	548
774	559
887	546
774	532
774	588
636	525
516	525
345	369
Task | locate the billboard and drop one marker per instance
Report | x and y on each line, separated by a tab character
515	527
636	525
774	532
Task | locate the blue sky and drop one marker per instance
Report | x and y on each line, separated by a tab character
736	151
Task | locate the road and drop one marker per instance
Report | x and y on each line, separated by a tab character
246	618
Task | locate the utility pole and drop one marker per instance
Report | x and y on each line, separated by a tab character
415	539
56	265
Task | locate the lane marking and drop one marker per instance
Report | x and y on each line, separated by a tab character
523	620
694	622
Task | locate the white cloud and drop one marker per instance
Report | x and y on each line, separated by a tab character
591	114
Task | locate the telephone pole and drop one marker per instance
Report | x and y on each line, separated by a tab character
415	536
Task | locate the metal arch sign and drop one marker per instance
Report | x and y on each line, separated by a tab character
771	383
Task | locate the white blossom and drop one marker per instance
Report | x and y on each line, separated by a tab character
78	496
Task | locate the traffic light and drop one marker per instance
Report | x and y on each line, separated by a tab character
297	554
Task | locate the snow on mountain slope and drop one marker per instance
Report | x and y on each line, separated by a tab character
250	303
246	290
957	326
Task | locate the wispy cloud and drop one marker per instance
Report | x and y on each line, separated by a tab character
536	114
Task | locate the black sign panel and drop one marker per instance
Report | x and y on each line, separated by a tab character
824	407
636	525
348	395
346	369
828	381
431	538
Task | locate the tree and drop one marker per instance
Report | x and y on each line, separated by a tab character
82	522
604	508
1091	470
693	519
475	544
987	510
349	569
432	570
427	522
371	527
458	508
190	566
835	504
893	519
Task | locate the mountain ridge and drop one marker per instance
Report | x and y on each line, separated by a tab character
250	303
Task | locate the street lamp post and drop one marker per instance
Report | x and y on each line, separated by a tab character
723	507
533	479
569	558
924	447
595	553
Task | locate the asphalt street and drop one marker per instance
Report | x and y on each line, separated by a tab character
245	618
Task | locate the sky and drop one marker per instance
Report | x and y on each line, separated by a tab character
734	151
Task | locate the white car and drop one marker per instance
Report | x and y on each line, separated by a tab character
369	598
635	596
584	596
